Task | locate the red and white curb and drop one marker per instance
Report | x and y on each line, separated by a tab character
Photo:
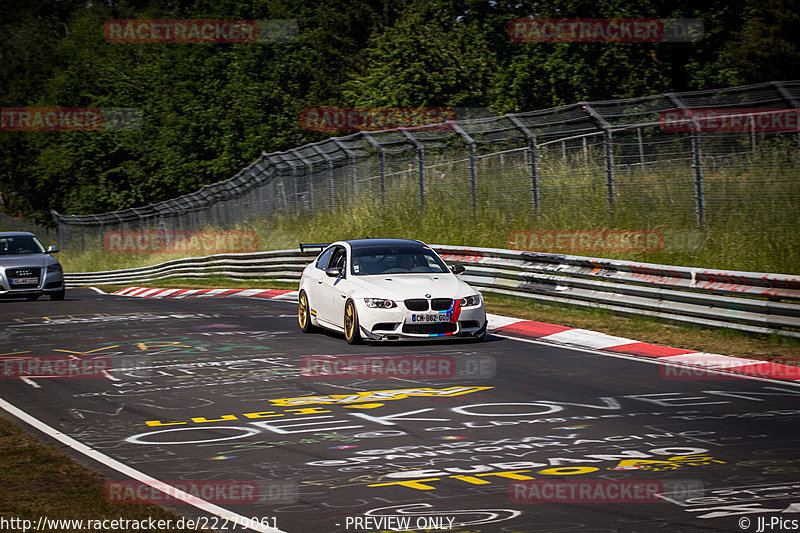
146	292
542	331
688	363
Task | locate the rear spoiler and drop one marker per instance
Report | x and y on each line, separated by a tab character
316	245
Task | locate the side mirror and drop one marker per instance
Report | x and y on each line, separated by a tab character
52	249
457	269
334	272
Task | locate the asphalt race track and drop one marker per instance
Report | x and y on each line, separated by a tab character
522	437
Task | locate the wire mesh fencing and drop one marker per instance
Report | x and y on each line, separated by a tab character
684	157
48	236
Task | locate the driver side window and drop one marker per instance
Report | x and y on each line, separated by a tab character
324	258
339	258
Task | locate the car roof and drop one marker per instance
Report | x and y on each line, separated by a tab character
16	234
369	243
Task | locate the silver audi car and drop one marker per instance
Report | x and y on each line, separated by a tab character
28	269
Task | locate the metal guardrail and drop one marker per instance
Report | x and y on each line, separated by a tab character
747	301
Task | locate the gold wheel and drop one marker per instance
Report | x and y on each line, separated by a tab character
351	324
303	313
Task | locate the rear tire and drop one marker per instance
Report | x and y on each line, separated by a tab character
351	328
304	313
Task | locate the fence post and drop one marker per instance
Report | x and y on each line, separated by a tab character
351	157
329	160
611	185
382	159
697	162
585	151
308	170
641	148
285	158
608	148
534	160
420	163
473	170
787	96
62	230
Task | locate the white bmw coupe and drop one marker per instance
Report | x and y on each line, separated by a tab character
387	289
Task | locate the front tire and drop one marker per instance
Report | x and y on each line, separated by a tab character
304	313
351	328
58	296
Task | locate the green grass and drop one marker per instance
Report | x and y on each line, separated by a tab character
775	348
40	481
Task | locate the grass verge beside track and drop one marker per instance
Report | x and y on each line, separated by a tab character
41	481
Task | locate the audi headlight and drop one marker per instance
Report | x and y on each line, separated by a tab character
56	267
381	303
470	301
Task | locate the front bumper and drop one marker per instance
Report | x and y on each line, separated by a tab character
379	324
48	283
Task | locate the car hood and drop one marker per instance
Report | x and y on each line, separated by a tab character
26	260
403	286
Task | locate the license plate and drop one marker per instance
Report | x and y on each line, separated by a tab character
438	317
24	281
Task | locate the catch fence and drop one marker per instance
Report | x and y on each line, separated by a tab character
684	157
47	235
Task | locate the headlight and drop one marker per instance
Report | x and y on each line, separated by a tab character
382	303
470	301
54	268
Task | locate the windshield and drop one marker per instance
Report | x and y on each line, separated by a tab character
408	259
20	244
